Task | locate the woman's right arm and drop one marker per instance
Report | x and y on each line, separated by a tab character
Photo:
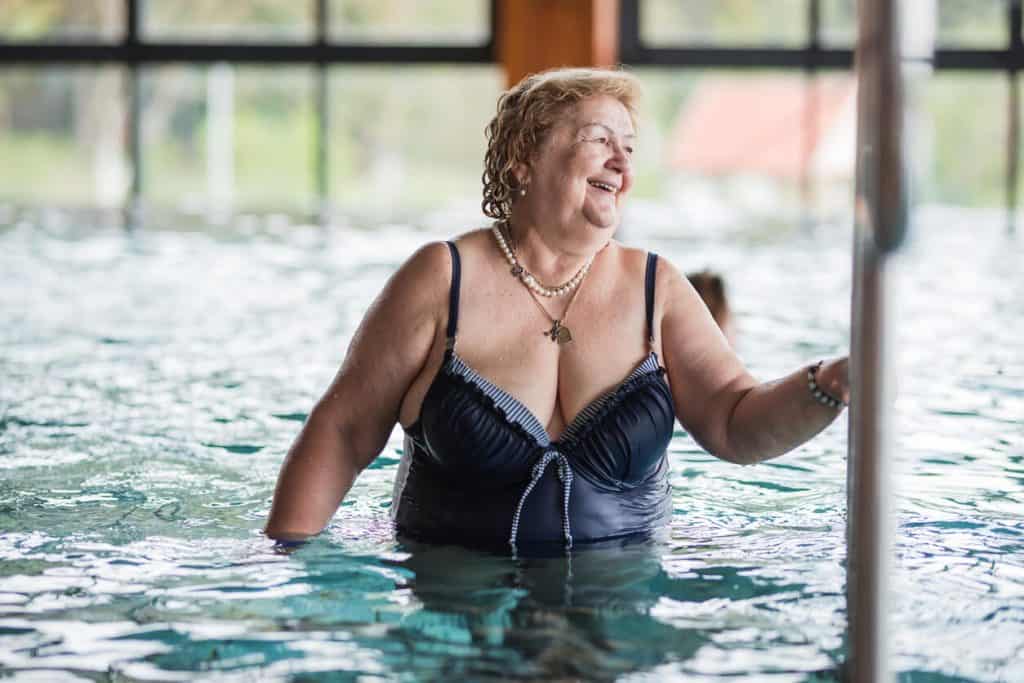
349	426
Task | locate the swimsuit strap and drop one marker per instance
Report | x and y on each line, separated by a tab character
652	269
453	298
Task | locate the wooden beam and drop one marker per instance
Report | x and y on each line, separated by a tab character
534	35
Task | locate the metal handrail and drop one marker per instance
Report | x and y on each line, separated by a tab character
881	219
881	177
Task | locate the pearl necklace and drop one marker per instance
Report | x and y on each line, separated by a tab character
527	278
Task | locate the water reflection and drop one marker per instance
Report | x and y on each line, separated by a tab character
586	614
596	613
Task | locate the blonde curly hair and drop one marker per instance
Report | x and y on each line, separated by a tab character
526	113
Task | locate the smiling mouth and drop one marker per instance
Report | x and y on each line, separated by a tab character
607	187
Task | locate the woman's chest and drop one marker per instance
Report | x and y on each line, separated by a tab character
472	426
555	365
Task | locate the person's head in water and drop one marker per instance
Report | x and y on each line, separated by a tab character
711	288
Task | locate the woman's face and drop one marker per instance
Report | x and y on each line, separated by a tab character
583	170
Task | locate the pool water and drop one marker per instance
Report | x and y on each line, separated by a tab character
150	384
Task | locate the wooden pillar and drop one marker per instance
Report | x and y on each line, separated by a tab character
534	35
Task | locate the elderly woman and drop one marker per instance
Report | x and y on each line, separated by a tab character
538	366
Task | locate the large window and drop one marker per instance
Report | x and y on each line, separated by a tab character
964	147
723	22
379	105
216	20
733	146
959	23
224	137
973	23
965	153
409	138
410	21
62	136
62	20
262	105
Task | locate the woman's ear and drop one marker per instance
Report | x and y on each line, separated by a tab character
522	173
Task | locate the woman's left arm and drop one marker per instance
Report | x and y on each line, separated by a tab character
727	411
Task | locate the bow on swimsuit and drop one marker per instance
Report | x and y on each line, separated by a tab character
478	467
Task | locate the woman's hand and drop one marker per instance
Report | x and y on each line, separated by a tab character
833	378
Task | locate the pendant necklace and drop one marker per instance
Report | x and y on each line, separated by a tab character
558	332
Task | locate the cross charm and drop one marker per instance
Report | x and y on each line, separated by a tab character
558	333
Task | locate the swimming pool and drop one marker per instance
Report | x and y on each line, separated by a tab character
151	382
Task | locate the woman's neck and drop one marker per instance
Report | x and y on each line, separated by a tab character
542	252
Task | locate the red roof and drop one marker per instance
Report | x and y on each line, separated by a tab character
731	125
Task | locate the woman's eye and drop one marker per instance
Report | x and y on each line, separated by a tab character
629	151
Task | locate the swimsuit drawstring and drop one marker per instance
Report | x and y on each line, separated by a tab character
565	475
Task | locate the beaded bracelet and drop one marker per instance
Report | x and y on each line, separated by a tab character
817	392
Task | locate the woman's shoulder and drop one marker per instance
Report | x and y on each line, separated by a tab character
428	259
473	239
634	259
432	261
424	277
628	254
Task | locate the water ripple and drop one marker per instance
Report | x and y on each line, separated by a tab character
143	421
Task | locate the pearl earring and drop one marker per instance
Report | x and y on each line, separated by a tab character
522	191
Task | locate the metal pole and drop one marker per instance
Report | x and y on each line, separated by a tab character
868	537
322	138
1016	18
133	212
809	137
1012	152
880	217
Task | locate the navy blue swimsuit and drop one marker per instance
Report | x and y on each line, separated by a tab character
480	469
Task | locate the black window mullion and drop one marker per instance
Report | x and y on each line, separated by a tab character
322	21
133	21
492	41
1015	15
814	25
630	47
250	53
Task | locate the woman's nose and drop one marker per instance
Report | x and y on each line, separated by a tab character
620	159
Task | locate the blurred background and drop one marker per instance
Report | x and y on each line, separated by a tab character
373	111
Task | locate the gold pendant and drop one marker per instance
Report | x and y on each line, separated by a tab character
559	333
